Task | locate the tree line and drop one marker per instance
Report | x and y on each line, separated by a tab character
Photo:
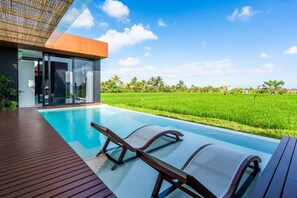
156	84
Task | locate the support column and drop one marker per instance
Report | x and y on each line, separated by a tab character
97	80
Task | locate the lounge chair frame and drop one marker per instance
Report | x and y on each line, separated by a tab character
177	177
121	143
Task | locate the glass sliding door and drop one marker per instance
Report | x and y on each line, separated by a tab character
58	80
67	80
83	81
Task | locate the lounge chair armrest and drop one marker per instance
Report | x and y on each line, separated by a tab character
163	167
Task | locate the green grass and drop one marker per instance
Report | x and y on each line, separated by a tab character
266	115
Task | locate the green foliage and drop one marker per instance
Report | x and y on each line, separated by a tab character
273	86
268	115
6	91
13	105
156	84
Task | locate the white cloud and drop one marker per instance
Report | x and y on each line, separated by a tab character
103	25
267	68
116	9
147	51
216	72
169	73
161	23
264	55
243	14
291	50
147	48
130	61
85	19
131	36
146	54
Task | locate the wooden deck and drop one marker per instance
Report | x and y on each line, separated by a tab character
36	162
279	178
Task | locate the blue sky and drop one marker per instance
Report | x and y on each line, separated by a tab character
202	42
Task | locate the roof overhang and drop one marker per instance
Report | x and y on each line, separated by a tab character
30	22
73	45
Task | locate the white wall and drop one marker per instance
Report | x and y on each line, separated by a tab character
90	88
26	84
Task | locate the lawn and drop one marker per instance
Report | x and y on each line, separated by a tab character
266	115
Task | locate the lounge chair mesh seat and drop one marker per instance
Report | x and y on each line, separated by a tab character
211	171
140	139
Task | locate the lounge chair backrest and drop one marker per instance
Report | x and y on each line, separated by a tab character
218	164
111	135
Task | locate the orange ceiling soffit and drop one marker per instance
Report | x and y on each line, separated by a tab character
72	45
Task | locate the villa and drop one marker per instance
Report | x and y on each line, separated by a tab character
50	67
47	150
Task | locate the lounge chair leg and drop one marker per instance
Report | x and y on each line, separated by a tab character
157	186
120	160
103	148
114	167
123	153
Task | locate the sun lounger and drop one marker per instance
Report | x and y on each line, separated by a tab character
211	171
140	139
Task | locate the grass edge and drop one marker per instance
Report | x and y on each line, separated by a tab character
272	133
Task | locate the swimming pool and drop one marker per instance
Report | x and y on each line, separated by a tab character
73	124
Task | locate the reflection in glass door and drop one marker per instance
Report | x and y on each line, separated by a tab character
83	81
58	80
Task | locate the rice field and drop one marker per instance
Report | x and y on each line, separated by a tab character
268	115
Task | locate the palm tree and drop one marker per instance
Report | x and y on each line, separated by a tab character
143	86
274	85
278	84
103	87
134	84
128	87
181	86
117	80
159	83
193	88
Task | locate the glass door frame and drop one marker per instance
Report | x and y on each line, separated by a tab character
49	55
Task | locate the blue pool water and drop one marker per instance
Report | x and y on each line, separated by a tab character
73	124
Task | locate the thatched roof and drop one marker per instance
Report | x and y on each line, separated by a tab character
30	22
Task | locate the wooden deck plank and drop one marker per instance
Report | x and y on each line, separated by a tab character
38	178
13	176
82	188
88	193
263	182
36	155
279	178
103	193
70	186
290	189
21	165
67	183
42	185
36	161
